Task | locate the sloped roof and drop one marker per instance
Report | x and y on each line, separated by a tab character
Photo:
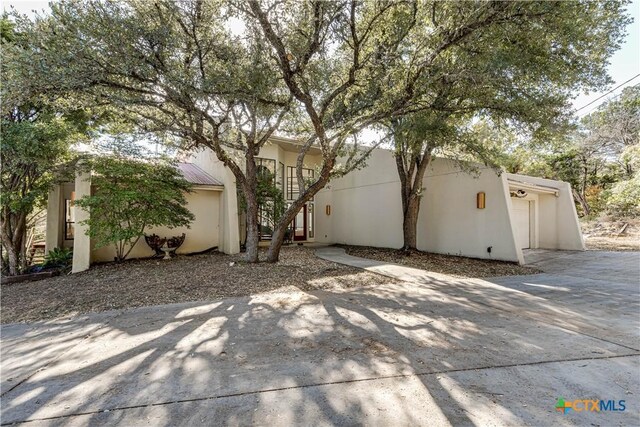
197	176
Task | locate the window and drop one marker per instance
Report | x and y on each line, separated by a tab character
69	219
280	177
265	221
292	181
266	168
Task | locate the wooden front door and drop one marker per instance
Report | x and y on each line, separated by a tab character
300	225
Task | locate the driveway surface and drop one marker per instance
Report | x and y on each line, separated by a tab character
431	351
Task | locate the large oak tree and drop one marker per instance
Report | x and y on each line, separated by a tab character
228	75
520	69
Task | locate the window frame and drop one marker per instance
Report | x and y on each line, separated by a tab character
292	181
69	219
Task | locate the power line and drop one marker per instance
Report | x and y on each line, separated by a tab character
602	96
595	107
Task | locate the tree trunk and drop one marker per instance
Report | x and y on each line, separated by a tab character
277	239
581	199
13	233
249	189
410	223
252	234
12	257
411	178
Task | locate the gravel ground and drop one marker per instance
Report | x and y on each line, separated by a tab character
138	283
455	266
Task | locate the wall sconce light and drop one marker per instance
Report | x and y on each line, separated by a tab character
480	200
327	210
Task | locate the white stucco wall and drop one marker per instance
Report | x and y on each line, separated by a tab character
365	206
203	233
451	223
229	231
366	210
81	241
54	218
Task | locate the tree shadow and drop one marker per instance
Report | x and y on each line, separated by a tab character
331	356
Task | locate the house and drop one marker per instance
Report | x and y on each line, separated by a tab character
481	215
64	228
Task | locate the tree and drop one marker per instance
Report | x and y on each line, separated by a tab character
615	127
269	198
598	156
326	70
35	148
517	67
35	140
131	196
182	73
324	67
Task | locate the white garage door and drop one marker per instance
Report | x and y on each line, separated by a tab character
521	220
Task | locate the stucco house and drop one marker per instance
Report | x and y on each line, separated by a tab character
481	215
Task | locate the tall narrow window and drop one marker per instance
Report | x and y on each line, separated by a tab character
69	219
281	177
292	181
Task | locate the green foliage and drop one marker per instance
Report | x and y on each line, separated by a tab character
130	196
59	257
35	140
324	70
624	198
269	197
33	150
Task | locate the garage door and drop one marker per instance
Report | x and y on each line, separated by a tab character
522	220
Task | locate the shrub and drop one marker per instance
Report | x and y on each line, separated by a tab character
129	197
624	198
59	257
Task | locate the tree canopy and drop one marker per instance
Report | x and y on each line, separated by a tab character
36	135
228	74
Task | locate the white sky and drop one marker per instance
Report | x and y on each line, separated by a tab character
624	64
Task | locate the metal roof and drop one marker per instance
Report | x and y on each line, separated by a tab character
197	176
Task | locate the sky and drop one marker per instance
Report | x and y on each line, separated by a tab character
624	64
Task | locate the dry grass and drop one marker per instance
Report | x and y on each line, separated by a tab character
185	278
446	264
607	235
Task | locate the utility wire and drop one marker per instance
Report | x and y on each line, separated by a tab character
595	107
602	96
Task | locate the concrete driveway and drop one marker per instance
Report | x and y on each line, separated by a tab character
432	351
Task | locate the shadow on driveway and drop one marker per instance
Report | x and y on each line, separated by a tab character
434	351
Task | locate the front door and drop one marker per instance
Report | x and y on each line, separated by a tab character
300	225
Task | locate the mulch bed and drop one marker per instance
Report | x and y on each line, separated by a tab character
455	266
147	282
29	277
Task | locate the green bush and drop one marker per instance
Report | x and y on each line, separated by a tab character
624	198
59	257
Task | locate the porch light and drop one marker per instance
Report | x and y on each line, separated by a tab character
480	200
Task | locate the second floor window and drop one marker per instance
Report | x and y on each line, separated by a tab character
266	169
292	181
